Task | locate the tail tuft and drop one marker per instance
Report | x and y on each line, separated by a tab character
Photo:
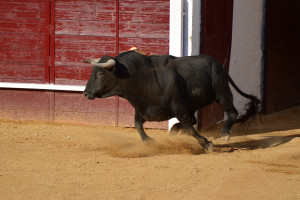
252	108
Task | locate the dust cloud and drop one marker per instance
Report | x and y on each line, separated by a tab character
123	146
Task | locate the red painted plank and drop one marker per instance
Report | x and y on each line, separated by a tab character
76	27
151	45
22	1
77	102
74	58
144	5
26	100
69	81
22	41
22	6
129	29
22	25
24	105
86	1
68	75
22	73
145	17
144	11
85	118
87	43
81	10
21	14
22	56
73	107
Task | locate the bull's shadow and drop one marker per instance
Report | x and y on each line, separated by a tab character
284	120
266	142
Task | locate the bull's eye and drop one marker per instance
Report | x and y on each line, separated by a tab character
100	74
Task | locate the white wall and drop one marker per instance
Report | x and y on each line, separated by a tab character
191	27
185	19
246	51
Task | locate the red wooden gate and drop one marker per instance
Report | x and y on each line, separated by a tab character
44	41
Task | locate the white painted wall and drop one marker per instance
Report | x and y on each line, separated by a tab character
191	27
175	36
246	51
185	19
176	28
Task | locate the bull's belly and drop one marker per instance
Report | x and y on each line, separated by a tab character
156	113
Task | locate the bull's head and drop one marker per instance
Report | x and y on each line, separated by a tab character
102	80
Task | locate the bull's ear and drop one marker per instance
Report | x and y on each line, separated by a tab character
95	60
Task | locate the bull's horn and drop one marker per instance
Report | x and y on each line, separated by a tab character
110	63
95	60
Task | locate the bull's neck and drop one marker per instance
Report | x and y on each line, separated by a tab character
138	93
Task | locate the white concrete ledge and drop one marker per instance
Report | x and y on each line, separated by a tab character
34	86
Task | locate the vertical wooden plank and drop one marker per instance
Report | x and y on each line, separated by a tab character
52	42
216	31
47	41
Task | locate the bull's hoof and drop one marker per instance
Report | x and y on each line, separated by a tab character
208	147
226	137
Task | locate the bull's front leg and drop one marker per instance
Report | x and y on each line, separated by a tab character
138	124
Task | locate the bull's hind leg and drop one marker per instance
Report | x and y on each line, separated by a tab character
176	128
227	104
231	115
186	121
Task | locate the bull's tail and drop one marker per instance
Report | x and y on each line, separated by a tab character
252	108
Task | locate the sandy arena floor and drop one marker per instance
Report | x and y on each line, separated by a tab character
60	161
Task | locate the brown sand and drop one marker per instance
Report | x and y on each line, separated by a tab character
61	161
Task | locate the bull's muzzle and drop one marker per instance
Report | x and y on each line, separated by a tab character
88	96
85	94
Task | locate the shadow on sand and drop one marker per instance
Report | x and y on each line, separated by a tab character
265	142
285	120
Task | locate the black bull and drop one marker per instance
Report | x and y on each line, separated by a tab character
161	87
